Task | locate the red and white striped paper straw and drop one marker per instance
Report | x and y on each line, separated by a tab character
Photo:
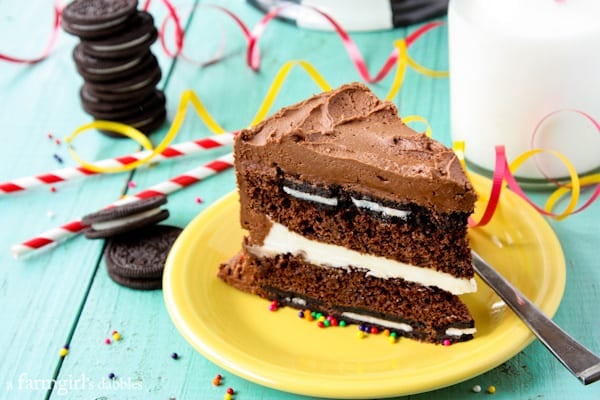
75	227
65	174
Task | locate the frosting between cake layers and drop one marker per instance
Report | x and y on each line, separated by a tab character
280	240
349	137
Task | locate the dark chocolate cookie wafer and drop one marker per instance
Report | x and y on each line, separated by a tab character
137	259
138	37
130	90
91	19
100	103
126	111
146	122
94	69
139	284
117	220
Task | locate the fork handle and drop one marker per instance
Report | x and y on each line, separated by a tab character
582	363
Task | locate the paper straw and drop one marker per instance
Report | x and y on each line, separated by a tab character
75	227
65	174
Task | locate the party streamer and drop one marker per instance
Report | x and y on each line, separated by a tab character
188	97
253	52
252	37
503	174
49	46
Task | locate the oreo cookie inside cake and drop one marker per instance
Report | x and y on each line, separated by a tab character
351	213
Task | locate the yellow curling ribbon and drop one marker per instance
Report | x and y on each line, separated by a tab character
400	69
417	118
404	60
280	78
555	197
115	127
459	149
424	70
188	97
575	185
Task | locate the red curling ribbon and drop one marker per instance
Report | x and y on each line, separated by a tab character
179	49
502	173
500	169
49	46
252	51
179	33
253	35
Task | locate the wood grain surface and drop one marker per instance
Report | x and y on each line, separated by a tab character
63	295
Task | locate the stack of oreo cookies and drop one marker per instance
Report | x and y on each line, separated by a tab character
115	61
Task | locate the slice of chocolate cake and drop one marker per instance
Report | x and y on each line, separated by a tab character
353	214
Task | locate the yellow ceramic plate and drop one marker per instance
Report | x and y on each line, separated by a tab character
237	331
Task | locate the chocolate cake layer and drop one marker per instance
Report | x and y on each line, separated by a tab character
349	137
418	237
428	314
352	213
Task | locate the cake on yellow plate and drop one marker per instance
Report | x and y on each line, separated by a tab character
351	213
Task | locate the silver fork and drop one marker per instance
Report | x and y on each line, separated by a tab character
582	363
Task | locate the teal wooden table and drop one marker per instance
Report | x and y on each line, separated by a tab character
63	295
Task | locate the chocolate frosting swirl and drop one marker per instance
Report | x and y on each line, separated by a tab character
351	138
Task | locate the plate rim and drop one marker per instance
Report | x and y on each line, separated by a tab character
323	388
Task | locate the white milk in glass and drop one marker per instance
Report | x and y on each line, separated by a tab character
513	62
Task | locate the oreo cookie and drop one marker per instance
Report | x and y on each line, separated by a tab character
94	69
118	220
93	19
145	123
136	39
90	100
132	88
123	111
136	260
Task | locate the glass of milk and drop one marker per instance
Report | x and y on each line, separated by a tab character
513	62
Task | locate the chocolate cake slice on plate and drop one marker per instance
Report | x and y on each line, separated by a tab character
351	213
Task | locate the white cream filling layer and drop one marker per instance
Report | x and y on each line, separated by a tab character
359	203
460	332
99	26
330	201
119	68
281	240
296	300
143	122
117	223
133	87
372	206
378	321
126	45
